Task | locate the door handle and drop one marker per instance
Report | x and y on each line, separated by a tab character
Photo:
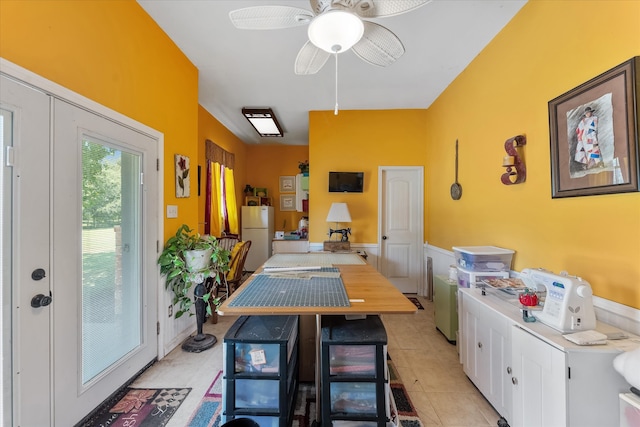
41	300
384	237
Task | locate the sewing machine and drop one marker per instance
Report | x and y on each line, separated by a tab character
568	306
344	231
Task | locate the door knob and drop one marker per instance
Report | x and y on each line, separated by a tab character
384	237
40	300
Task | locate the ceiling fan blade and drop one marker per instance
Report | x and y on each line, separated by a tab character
384	8
269	17
310	59
378	45
319	6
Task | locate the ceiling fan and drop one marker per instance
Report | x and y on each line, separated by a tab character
335	26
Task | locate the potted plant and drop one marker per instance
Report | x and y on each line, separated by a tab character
187	259
304	166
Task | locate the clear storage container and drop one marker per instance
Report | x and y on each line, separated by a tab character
352	360
483	258
468	279
252	393
353	398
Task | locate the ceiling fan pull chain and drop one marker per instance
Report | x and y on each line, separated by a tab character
335	111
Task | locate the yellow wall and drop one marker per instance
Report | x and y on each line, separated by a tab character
210	128
359	141
265	165
545	51
113	53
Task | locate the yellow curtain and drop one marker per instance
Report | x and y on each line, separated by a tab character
232	206
216	190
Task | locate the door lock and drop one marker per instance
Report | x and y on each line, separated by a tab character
38	274
41	300
384	237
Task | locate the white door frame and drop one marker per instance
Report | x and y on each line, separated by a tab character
420	184
14	71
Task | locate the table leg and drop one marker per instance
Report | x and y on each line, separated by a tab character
318	420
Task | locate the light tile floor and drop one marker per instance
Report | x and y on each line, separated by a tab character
428	365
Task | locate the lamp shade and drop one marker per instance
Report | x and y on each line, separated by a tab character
335	31
339	212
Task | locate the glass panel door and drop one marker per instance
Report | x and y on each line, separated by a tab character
111	269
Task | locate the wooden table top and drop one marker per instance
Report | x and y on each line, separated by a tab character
369	292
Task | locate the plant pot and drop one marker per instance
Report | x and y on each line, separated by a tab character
198	260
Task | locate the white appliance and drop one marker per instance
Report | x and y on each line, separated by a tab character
257	226
568	306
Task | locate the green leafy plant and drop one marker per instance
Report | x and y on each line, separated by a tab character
180	279
303	166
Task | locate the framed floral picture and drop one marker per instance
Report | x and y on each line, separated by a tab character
182	176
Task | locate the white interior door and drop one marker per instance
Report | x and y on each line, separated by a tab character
83	208
401	223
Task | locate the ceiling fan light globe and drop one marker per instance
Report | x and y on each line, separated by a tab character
335	31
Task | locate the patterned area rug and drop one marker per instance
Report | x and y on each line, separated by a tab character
143	407
208	413
416	302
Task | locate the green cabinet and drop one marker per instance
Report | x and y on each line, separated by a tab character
445	294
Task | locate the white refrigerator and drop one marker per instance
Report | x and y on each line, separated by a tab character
257	226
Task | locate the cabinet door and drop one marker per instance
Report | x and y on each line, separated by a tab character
499	389
475	339
539	382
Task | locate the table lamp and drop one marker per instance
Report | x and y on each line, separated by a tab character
338	213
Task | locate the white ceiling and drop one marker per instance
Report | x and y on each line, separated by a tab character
254	68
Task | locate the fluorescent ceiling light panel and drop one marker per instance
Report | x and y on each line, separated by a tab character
263	121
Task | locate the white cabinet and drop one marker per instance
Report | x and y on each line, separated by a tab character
539	385
530	374
302	192
486	353
290	246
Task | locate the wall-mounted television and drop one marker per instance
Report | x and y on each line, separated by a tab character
346	182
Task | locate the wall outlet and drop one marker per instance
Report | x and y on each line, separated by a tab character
172	211
170	310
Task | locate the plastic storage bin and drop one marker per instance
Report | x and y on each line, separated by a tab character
468	279
260	380
355	379
483	258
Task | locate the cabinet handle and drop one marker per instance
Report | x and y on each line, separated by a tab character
514	380
479	345
509	370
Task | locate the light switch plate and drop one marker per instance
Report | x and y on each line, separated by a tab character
172	211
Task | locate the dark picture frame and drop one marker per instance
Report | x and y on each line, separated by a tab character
594	135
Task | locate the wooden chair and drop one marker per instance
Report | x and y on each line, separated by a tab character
233	278
228	241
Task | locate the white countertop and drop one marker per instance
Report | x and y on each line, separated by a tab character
509	307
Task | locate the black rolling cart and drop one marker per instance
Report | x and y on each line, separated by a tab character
355	380
260	370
